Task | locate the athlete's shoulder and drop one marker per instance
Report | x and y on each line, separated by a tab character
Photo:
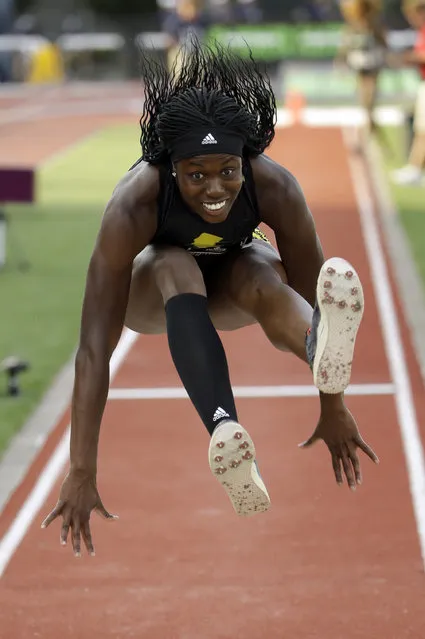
132	207
139	186
272	180
281	201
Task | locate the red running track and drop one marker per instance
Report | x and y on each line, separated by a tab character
322	563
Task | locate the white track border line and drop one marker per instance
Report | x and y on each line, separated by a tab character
252	392
404	400
409	283
129	104
46	480
25	445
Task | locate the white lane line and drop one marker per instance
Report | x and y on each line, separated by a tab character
131	105
51	472
26	444
248	391
409	282
405	406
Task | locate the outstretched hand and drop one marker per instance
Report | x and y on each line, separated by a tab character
339	431
78	498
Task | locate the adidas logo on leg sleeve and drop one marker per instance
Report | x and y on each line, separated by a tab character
219	414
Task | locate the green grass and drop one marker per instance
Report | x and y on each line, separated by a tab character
409	200
41	305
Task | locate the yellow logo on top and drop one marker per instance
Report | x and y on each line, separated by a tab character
206	240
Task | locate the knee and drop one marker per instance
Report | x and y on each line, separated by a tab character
259	290
175	272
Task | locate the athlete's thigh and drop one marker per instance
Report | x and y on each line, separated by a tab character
257	269
159	273
245	277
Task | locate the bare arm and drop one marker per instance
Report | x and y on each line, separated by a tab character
284	209
122	236
414	57
128	226
344	46
380	33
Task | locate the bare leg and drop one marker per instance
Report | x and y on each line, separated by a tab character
168	293
256	284
368	85
170	278
158	275
412	173
417	152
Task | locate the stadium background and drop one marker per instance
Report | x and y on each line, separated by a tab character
69	120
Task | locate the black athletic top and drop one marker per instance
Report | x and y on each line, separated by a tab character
179	226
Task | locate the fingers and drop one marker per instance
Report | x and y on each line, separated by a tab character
356	465
86	535
52	516
101	510
359	441
78	531
348	468
336	465
76	537
65	530
309	441
351	465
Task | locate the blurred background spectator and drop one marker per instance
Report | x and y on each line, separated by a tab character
220	11
413	172
7	16
248	11
187	19
99	39
364	48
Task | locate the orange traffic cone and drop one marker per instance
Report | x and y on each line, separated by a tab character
295	103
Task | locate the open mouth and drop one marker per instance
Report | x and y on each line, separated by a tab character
214	207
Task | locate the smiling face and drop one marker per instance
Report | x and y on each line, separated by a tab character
210	184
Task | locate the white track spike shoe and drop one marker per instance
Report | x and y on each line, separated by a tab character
336	319
232	462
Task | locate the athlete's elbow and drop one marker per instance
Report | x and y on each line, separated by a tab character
91	358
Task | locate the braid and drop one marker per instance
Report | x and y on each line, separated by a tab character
212	86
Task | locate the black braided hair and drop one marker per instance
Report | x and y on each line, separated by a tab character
211	85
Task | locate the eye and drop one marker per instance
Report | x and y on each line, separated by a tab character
228	171
197	176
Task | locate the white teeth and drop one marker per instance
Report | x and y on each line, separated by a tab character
214	207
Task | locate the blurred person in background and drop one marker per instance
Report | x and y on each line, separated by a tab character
164	9
413	172
248	11
363	50
42	64
188	20
7	14
220	11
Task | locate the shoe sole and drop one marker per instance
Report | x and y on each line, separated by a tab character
232	461
341	303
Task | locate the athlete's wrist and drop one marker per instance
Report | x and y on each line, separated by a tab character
332	402
83	468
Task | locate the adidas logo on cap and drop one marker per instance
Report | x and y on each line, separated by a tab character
209	139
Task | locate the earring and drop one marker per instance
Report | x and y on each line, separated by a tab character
174	174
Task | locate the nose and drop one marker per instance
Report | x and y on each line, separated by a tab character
215	188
